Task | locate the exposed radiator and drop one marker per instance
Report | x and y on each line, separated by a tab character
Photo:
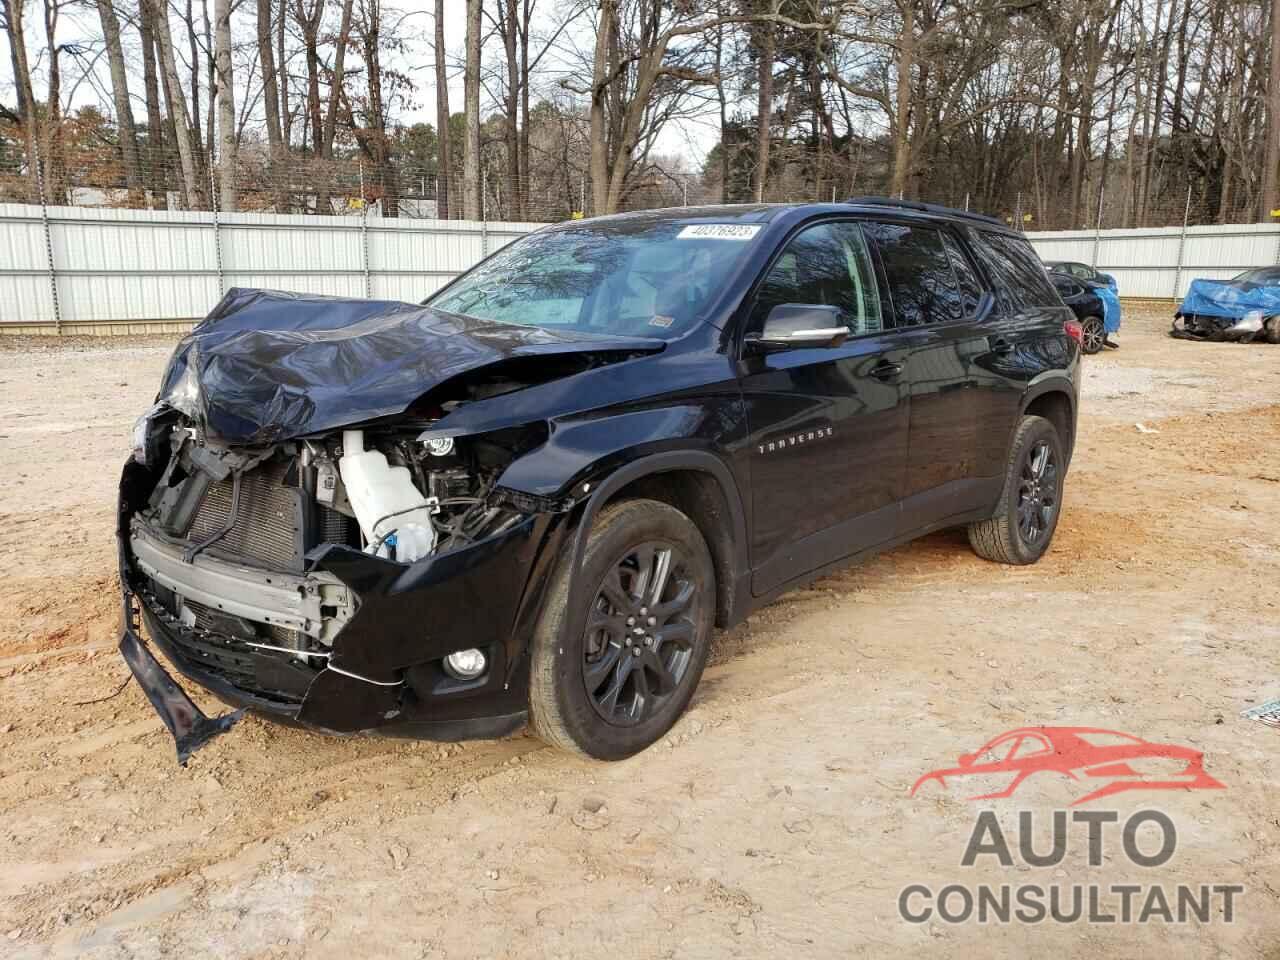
268	527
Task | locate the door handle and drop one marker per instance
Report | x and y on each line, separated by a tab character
1001	345
886	370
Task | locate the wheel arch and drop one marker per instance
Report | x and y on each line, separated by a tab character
699	485
1055	400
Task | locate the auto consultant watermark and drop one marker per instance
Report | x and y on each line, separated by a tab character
1101	763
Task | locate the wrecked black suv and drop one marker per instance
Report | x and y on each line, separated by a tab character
531	498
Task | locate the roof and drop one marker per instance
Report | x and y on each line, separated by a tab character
764	212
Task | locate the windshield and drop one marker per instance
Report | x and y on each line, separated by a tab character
1258	275
632	278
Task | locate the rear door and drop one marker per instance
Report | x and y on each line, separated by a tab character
961	402
828	426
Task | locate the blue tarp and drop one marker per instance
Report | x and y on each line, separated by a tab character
1110	309
1222	298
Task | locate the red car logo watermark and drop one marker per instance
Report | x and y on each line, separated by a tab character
1080	754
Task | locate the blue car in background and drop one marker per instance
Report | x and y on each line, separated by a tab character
1095	305
1244	308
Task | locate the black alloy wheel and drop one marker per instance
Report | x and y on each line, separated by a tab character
639	634
1037	492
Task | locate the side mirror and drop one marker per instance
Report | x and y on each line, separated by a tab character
793	326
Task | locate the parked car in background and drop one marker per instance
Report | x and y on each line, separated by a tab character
532	497
1096	307
1082	272
1244	308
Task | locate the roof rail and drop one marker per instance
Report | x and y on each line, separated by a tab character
923	207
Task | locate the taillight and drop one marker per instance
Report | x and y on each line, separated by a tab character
1074	330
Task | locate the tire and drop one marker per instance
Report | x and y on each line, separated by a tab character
1272	330
619	685
1095	335
1022	528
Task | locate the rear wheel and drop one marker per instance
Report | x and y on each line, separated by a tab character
1272	330
1095	334
1027	515
648	586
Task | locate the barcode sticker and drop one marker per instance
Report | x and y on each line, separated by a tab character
719	231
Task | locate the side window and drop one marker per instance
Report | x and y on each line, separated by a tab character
1021	275
921	282
1080	271
966	275
825	264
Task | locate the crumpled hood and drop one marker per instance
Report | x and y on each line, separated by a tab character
267	365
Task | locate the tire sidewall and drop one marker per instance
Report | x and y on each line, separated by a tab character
1036	429
621	529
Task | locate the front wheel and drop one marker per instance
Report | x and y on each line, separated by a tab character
1027	515
615	686
1095	335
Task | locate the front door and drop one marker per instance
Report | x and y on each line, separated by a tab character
828	426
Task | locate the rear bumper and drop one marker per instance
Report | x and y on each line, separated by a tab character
384	628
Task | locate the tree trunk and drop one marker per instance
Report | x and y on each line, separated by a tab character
526	184
764	108
286	112
156	157
55	185
335	83
120	95
1269	195
902	107
443	185
270	85
471	105
599	160
271	105
510	24
227	145
15	28
177	105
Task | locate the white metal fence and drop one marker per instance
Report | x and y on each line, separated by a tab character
99	269
91	269
1161	262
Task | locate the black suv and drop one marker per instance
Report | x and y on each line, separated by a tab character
532	497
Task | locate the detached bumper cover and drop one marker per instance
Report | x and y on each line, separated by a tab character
191	729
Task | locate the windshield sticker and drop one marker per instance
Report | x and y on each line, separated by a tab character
719	231
661	321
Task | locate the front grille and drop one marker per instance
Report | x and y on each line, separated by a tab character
268	527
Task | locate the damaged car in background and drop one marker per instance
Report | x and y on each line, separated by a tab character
1244	309
531	498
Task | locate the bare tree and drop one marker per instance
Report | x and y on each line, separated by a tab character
227	142
1269	193
444	184
174	97
120	94
471	105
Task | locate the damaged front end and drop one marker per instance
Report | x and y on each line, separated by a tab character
333	581
348	575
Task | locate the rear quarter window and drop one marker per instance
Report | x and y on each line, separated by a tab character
1020	276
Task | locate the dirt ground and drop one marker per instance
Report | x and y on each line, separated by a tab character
775	819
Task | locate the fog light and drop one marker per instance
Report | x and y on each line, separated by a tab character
465	664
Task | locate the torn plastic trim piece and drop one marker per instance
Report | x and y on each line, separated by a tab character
190	727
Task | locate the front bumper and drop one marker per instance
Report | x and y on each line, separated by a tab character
385	626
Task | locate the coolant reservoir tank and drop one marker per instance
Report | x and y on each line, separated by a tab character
389	508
